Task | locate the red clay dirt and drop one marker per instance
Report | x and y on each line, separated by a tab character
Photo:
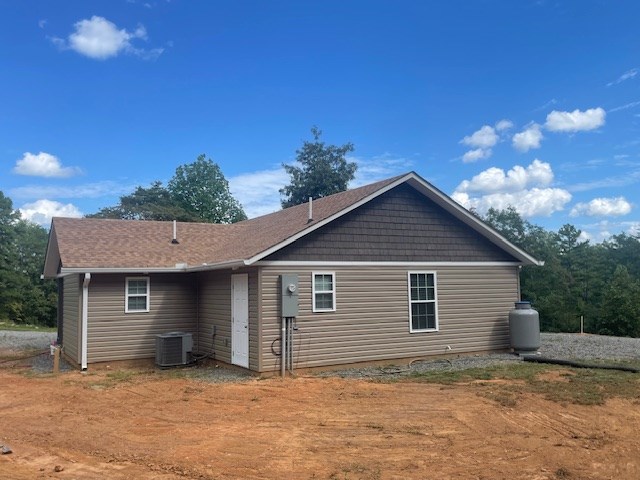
153	426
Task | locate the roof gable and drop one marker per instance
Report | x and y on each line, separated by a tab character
97	244
401	225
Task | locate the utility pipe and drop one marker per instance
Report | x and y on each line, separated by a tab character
85	319
571	363
283	346
290	346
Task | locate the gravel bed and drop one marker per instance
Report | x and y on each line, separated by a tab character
212	372
26	340
572	346
566	346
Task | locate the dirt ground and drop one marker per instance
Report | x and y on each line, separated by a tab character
150	426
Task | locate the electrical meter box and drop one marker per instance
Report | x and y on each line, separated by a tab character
289	295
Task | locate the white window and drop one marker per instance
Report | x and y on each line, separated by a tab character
324	291
423	303
136	295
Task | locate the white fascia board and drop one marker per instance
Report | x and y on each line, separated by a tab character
330	219
218	266
70	270
304	263
144	270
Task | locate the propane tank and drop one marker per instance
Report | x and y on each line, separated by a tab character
524	328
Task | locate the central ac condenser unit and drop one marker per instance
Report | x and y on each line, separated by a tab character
174	348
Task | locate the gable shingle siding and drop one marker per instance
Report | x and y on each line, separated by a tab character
400	225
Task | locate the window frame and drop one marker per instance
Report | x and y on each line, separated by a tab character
434	301
315	291
128	295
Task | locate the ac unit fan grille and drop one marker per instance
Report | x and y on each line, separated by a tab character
171	352
173	349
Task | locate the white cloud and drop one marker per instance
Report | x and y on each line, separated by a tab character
41	211
527	189
528	203
98	38
518	178
529	138
584	237
258	192
504	125
550	103
43	165
42	23
601	230
625	106
483	140
602	207
486	137
576	121
625	76
475	155
378	168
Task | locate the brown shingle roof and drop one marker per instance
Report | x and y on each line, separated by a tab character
90	243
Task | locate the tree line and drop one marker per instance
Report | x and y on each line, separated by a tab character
597	282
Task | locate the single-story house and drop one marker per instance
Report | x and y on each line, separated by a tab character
388	271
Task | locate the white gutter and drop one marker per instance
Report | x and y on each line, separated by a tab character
218	265
85	319
69	270
179	268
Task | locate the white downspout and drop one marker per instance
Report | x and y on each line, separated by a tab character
85	318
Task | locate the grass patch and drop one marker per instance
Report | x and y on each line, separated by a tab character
503	383
115	378
6	325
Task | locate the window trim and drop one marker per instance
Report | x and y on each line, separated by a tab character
434	301
314	291
127	295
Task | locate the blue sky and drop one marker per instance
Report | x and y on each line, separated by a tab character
529	103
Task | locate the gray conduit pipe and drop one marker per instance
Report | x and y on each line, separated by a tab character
283	345
290	346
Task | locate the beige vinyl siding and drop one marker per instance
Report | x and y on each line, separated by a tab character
215	309
371	321
116	335
214	299
71	316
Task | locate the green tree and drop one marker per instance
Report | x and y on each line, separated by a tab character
153	203
9	278
37	298
24	298
198	192
321	170
624	249
201	189
620	309
509	223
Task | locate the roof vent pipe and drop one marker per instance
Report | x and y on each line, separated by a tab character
310	210
175	233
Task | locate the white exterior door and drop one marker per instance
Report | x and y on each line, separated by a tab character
240	320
